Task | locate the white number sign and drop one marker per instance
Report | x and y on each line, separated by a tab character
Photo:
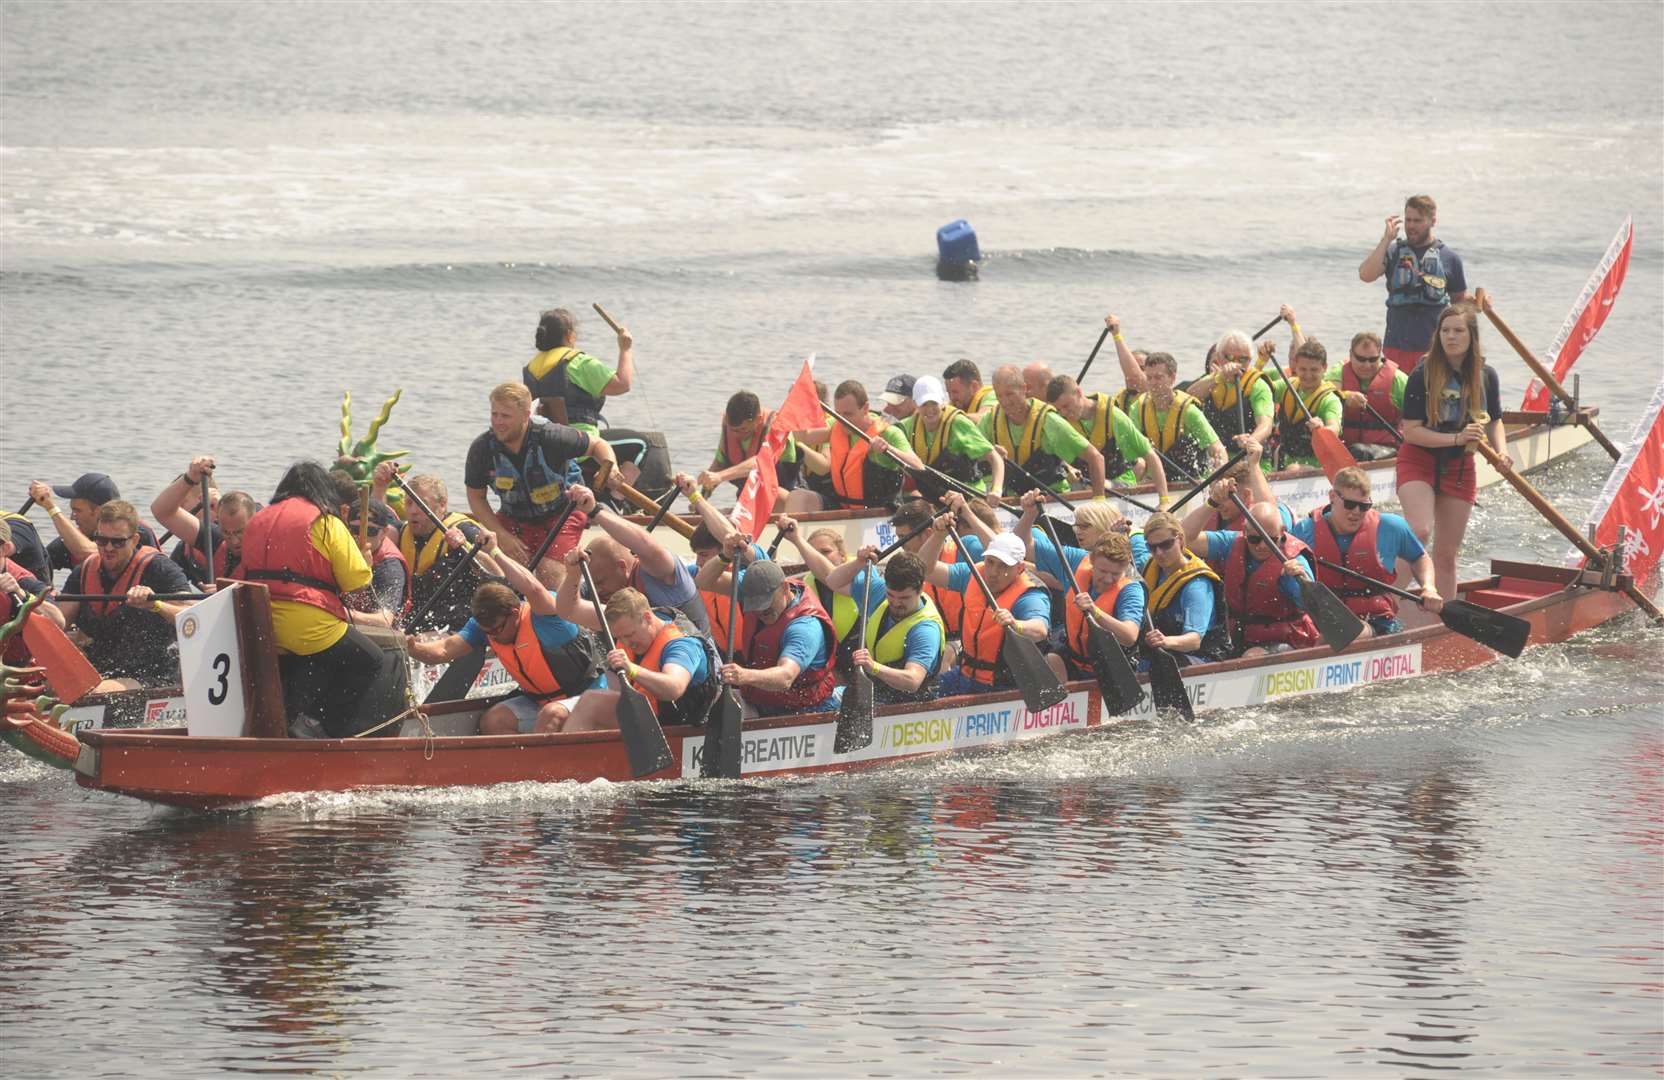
211	666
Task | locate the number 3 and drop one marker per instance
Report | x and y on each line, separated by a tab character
216	695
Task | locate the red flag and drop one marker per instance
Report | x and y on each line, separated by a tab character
1634	496
1587	314
801	409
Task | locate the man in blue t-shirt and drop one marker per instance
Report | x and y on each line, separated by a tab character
1330	531
785	646
905	635
1423	277
628	557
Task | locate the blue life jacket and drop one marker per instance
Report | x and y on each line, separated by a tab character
530	496
1416	281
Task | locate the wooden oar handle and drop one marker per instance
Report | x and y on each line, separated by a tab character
1541	370
1374	583
642	502
601	311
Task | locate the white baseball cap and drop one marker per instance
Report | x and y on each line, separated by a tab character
1007	549
929	388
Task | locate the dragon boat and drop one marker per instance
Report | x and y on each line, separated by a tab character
437	746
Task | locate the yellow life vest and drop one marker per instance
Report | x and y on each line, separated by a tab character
1290	412
1164	435
1225	391
980	399
545	362
929	446
1033	428
420	562
892	647
1165	593
842	608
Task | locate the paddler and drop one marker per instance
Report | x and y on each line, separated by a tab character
86	495
947	439
1309	369
528	466
227	520
786	643
858	472
1106	593
627	556
1262	585
1132	367
906	642
744	424
1368	377
898	398
1020	602
1183	596
1233	377
130	637
386	600
550	657
1246	479
908	518
1036	437
572	387
1127	454
1349	530
17	584
1173	421
433	553
663	655
963	381
28	551
301	550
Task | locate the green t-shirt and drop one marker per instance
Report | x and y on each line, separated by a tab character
1334	375
582	370
963	438
1128	439
788	452
1328	410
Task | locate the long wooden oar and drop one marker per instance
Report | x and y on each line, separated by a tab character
1331	453
644	740
1081	378
1034	678
855	710
1338	624
1493	629
1207	482
1542	372
1117	681
1166	684
650	505
721	758
1567	529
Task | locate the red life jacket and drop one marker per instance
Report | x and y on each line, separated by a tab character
16	652
1356	424
92	580
278	553
983	637
544	674
1362	556
364	599
1075	618
949	603
223	566
1262	613
760	648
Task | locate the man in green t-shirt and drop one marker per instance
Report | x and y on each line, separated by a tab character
1174	423
949	440
744	424
571	387
1031	434
1294	431
1127	453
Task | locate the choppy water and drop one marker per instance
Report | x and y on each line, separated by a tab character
215	219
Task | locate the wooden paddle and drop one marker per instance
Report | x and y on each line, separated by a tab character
1166	684
1338	624
855	710
1542	372
207	533
721	758
1034	678
1081	378
608	319
1331	453
644	740
1493	629
1207	482
1567	529
643	502
68	672
1117	681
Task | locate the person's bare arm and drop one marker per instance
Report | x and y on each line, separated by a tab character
569	605
1094	469
1156	473
625	376
655	558
715	520
666	685
168	507
1375	263
818	564
440	651
80	548
521	580
1130	371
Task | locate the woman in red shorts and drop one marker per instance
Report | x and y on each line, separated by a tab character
1451	401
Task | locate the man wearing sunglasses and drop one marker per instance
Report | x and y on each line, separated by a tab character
1187	610
1350	531
1262	584
129	638
1367	376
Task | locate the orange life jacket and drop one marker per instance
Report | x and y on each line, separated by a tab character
696	700
278	552
982	636
1075	618
950	604
92	580
544	674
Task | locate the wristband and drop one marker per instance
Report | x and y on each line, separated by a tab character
54	512
1117	336
1296	327
156	606
694	497
630	670
1213	504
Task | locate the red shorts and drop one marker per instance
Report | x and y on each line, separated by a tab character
533	533
1406	359
1451	474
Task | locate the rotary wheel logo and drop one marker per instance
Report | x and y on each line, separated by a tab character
188	627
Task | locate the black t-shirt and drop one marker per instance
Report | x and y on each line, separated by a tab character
193	567
560	445
1450	419
57	552
30	553
128	642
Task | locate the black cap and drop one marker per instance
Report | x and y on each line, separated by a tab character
95	487
899	390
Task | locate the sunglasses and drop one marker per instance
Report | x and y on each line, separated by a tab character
111	541
1355	504
1243	359
1376	359
1256	538
1163	545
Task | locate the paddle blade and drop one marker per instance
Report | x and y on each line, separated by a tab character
1036	681
1167	685
1331	453
644	739
1338	624
68	672
721	759
1117	681
855	715
1505	633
